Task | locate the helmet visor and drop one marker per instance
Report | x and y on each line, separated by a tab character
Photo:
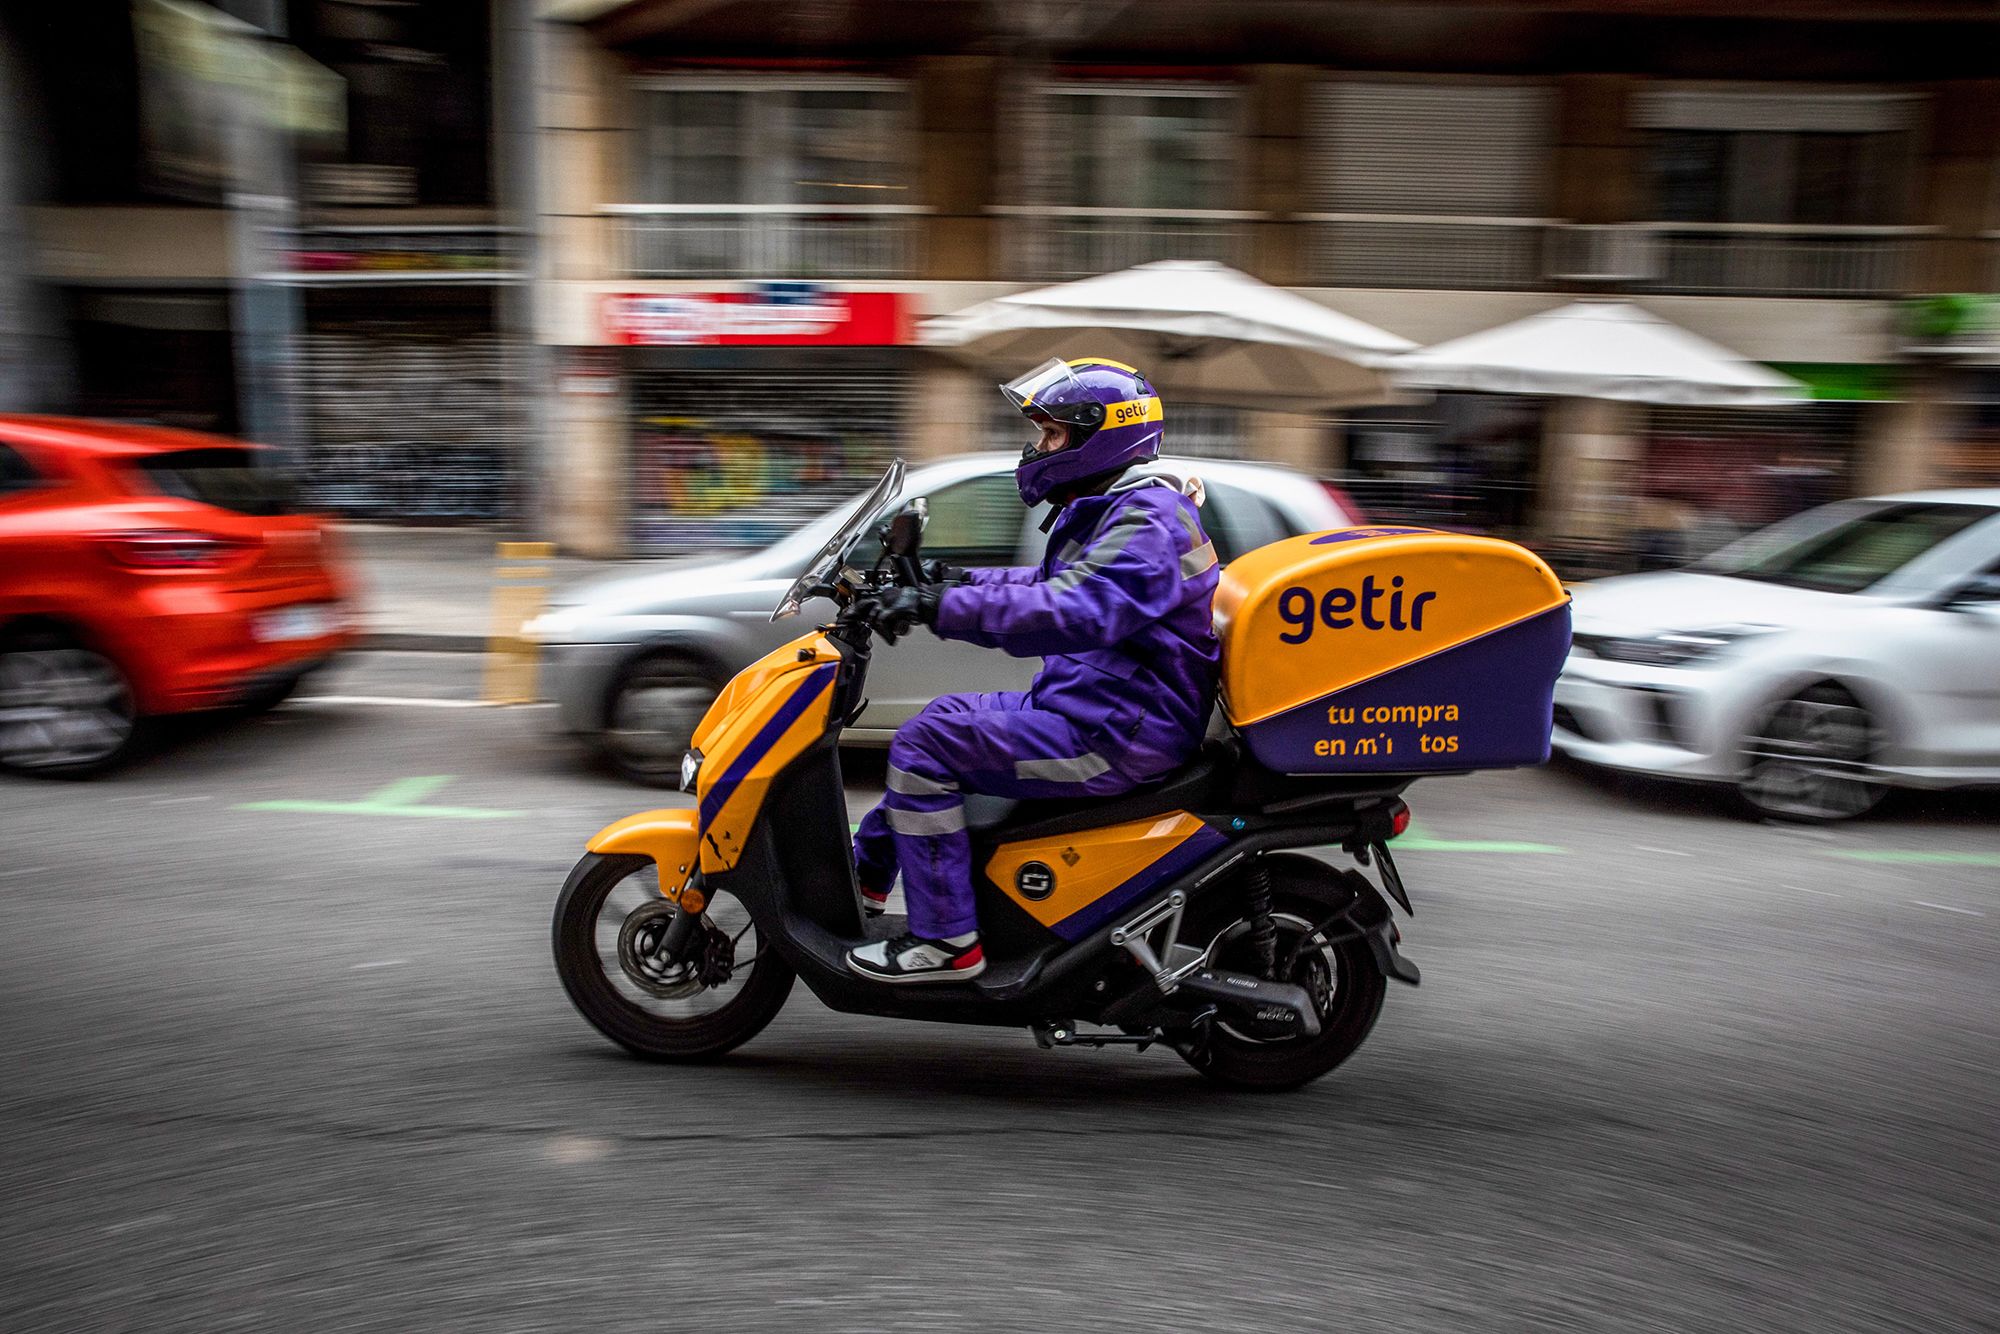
1051	390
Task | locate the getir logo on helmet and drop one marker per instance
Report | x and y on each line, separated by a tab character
1134	411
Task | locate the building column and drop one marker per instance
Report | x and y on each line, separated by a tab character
1902	440
949	408
1280	180
584	123
1958	189
1293	439
957	165
1590	451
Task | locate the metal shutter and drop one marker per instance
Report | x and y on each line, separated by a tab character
1431	148
741	456
409	419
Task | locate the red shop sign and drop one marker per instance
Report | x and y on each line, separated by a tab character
773	315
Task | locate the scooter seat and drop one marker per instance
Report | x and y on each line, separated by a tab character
1193	786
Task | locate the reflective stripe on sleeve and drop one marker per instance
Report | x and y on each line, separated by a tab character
947	821
1076	769
916	785
1199	561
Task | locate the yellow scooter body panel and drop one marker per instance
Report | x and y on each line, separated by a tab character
1074	883
774	709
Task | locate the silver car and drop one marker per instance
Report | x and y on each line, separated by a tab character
1812	665
634	660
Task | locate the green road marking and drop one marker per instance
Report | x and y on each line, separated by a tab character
1416	839
1926	858
402	797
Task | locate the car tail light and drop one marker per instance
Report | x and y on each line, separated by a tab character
172	549
1355	517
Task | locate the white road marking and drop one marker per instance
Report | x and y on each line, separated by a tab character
1823	893
393	702
379	963
177	801
1670	852
1946	907
26	870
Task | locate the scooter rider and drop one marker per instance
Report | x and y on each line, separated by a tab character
1119	610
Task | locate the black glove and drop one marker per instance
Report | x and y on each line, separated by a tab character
937	572
897	610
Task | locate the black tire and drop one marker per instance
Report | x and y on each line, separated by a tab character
66	708
1807	759
1351	1006
642	1031
650	713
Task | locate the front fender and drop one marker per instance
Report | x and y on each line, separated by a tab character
672	838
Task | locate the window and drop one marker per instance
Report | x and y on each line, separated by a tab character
228	479
776	142
15	472
1238	521
1155	149
1778	176
1824	157
1856	552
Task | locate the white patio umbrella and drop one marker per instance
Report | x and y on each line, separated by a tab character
1196	328
1599	349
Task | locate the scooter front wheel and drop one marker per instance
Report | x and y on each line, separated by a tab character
718	992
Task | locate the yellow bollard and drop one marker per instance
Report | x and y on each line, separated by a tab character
510	657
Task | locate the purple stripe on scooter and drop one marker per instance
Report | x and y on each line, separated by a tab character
767	736
1191	850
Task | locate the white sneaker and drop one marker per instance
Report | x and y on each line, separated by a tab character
914	959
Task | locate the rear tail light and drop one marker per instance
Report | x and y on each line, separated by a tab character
172	549
1400	821
1338	496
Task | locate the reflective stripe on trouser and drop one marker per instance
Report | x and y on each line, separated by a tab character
993	744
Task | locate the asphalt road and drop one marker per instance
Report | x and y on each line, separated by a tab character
310	1068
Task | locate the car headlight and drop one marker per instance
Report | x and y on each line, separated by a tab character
1674	648
690	770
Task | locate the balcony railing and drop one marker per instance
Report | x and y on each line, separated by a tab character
1077	242
1424	250
1782	259
766	240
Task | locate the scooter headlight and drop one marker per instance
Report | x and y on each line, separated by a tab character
690	770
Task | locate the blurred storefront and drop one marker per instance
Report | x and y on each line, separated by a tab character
751	411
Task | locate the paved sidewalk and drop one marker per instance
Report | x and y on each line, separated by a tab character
432	588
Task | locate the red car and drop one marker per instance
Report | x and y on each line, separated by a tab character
146	571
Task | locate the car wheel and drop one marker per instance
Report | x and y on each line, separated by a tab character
66	710
650	717
1809	758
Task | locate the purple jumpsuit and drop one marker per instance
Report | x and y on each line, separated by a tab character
1119	609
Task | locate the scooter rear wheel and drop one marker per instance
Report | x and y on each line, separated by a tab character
609	915
1340	975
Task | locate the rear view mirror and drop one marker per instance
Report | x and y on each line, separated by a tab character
904	534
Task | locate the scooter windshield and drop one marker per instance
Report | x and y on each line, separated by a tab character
869	511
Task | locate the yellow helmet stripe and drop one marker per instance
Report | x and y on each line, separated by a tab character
1133	411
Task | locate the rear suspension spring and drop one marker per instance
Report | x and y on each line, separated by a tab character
1263	932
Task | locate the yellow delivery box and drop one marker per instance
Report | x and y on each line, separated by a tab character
1391	650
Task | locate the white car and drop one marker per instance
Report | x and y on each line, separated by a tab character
1811	665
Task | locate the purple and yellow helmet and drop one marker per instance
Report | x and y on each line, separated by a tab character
1113	416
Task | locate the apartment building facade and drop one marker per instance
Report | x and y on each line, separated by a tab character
745	210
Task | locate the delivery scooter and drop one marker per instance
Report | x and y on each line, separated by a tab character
1186	913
